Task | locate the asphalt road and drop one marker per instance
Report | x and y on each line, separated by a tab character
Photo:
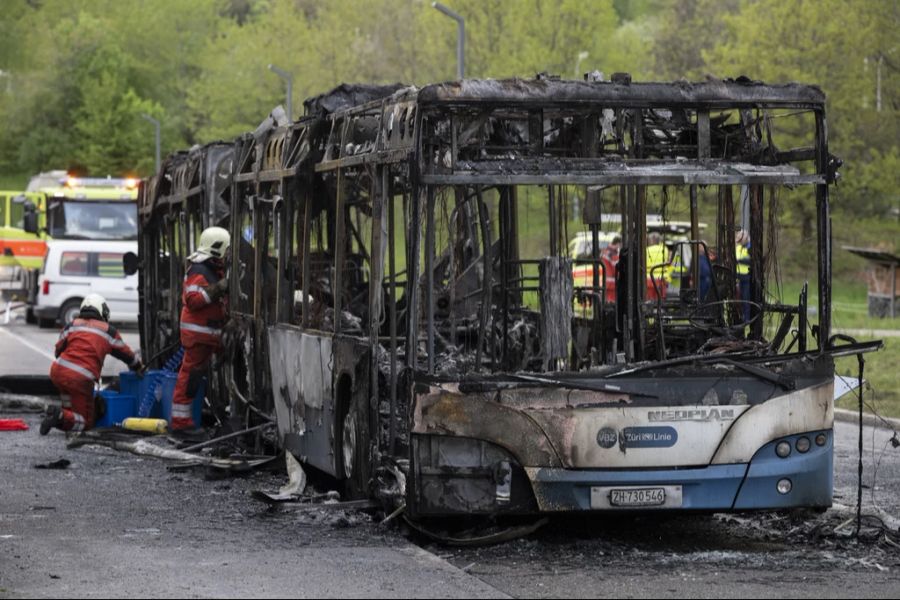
28	350
114	524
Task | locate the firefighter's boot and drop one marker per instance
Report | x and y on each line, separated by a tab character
52	418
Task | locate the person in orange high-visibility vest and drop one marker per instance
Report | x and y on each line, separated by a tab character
203	314
80	351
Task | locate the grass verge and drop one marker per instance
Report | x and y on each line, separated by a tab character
882	373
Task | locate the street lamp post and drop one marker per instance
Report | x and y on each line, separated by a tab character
156	128
881	56
879	61
581	57
290	87
460	37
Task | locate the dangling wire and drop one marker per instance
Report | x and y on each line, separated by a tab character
565	219
862	365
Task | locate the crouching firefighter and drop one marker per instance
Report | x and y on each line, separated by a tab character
203	314
80	352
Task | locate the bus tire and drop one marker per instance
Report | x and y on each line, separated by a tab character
29	316
353	442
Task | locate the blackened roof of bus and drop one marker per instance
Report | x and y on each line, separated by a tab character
725	93
348	95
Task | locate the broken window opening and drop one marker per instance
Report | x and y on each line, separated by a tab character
246	253
692	300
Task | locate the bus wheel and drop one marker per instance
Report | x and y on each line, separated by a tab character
29	316
354	443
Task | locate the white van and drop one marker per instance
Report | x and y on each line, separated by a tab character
75	268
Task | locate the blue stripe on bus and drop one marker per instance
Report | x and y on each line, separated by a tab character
811	475
716	487
705	488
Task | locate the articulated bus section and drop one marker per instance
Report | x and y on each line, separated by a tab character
425	303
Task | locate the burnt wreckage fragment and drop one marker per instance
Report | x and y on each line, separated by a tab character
410	309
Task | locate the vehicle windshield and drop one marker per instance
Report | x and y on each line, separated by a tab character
93	220
582	246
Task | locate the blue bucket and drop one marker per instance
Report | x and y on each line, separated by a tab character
119	407
163	383
130	383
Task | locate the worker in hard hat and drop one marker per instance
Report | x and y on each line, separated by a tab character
80	352
742	269
203	314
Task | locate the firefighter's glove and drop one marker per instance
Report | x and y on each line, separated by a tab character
138	367
217	290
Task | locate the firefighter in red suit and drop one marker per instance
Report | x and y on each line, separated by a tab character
203	314
80	351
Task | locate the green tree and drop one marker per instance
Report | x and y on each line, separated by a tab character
687	29
234	89
835	44
524	37
53	79
111	136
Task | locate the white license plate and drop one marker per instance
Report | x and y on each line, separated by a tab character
665	496
641	497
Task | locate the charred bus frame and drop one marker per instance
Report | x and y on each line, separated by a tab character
388	320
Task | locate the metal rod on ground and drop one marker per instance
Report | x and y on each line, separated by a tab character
225	437
145	448
345	505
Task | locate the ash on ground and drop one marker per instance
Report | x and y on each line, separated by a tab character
773	541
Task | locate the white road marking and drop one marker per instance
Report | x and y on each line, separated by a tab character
28	344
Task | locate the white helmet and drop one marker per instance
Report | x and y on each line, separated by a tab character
214	243
98	303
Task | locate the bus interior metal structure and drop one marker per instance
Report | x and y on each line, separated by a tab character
412	336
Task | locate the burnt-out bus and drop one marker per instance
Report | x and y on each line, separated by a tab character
404	306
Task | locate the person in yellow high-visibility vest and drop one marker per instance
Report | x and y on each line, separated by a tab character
679	272
658	254
742	268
